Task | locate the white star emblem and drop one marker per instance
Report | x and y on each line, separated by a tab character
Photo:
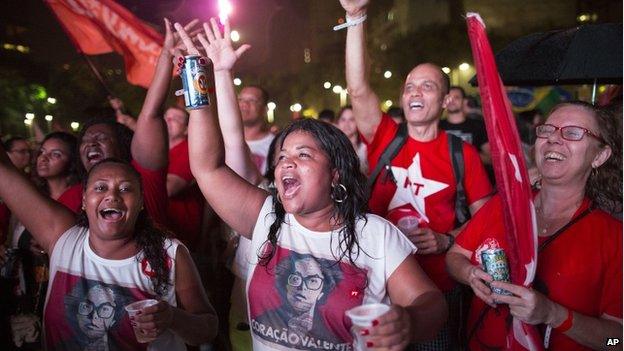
413	188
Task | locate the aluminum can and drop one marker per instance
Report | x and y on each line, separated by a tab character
195	82
495	264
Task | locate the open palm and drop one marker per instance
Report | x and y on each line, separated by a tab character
218	46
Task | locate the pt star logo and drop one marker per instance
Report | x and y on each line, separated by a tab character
412	187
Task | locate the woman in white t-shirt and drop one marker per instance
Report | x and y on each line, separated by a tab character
315	252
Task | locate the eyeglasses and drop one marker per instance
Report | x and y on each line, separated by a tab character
572	133
104	310
312	282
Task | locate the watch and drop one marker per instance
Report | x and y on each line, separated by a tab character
451	239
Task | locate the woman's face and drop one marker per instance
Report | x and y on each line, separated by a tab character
562	161
303	176
346	123
112	200
53	159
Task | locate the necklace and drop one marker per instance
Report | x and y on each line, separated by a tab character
546	223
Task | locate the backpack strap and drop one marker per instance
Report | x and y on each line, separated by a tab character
462	214
386	157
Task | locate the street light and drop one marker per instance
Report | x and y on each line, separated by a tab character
271	111
49	118
387	74
337	89
446	70
75	126
327	85
464	67
237	81
28	122
235	36
30	116
388	103
296	107
52	100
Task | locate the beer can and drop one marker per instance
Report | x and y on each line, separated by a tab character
195	82
495	264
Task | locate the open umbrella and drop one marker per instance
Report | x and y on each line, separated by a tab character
588	54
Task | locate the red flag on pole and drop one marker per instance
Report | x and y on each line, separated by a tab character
102	26
512	179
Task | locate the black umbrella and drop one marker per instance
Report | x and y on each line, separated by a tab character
581	55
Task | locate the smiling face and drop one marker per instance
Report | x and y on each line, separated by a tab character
99	142
112	200
423	97
305	285
303	175
53	159
561	161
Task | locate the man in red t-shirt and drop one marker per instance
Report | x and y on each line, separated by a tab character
186	204
420	186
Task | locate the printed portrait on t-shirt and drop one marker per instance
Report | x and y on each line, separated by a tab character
305	306
90	315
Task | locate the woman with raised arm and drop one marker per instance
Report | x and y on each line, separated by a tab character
576	298
110	258
315	252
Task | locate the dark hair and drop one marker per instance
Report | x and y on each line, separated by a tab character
123	137
332	275
328	115
270	172
396	112
149	238
343	159
457	87
263	93
8	144
73	167
604	185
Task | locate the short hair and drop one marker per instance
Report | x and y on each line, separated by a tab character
327	114
264	95
8	144
461	90
396	112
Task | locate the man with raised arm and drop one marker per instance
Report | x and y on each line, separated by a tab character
419	185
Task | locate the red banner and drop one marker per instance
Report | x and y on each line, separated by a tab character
512	179
103	26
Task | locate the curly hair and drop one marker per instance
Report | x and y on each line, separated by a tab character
343	159
123	137
604	186
72	171
150	238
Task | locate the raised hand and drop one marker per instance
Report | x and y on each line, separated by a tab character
354	8
218	46
173	41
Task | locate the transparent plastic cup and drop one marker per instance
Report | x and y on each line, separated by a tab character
362	317
133	309
406	219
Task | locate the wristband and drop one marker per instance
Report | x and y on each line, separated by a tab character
567	324
350	22
451	239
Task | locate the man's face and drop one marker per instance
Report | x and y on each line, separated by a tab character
423	97
455	101
251	105
305	285
96	313
19	154
176	122
98	143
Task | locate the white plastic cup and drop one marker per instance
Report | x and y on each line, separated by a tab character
362	317
408	223
133	309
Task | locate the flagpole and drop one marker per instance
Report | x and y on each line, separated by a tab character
84	56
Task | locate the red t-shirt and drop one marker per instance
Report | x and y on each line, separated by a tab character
581	269
425	180
72	198
186	208
154	192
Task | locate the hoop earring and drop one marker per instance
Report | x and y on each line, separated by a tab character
339	193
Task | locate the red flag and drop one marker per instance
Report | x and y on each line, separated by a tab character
103	26
512	179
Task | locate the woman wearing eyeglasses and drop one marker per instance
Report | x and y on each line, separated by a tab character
576	298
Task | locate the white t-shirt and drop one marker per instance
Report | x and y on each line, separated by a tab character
87	295
259	151
298	301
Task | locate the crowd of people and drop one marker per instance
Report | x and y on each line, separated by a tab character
283	232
